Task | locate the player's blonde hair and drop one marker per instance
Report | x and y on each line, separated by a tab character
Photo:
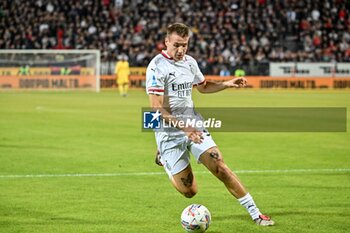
179	28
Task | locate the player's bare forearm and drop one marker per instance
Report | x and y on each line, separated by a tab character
212	87
157	104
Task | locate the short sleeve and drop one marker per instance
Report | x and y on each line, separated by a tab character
198	76
154	80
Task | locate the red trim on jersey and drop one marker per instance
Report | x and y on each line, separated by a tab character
166	55
156	90
199	83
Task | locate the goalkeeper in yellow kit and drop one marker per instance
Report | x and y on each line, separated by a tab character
122	72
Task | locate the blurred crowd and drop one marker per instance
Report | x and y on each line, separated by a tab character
226	33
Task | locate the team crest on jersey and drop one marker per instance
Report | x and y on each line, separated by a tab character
192	69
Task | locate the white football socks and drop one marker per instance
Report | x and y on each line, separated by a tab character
248	202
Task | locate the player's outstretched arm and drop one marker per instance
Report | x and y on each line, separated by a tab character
211	86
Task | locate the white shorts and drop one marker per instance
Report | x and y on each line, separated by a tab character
174	151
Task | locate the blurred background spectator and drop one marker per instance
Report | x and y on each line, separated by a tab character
226	34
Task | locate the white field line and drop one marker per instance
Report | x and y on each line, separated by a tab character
330	170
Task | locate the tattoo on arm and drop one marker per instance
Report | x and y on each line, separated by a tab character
214	154
188	180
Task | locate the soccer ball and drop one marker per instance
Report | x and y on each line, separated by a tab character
195	218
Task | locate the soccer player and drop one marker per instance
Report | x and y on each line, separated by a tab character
170	77
122	72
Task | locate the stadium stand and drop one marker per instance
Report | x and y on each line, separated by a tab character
226	34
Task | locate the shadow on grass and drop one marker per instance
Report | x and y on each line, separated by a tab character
23	216
240	217
31	147
281	213
308	213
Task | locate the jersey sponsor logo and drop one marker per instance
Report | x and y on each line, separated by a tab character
182	89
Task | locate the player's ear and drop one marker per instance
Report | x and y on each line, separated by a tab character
166	41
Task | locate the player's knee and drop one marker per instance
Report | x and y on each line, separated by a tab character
190	193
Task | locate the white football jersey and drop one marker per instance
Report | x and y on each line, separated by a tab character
174	80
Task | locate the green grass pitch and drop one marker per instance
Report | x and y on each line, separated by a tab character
60	133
